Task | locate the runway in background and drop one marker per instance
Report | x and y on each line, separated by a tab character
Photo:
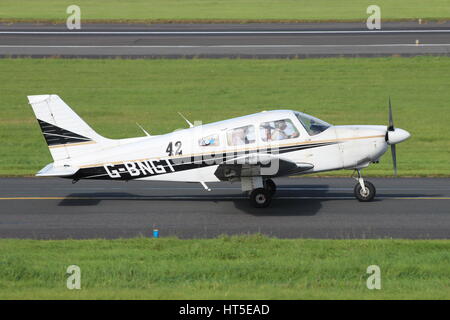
225	40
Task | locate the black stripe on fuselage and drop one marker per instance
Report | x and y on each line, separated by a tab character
140	169
55	135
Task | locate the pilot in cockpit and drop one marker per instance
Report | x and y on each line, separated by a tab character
284	130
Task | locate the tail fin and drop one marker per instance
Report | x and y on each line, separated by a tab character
67	135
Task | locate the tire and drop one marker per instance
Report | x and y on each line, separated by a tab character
260	198
270	186
370	189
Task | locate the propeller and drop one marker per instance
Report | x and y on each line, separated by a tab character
391	121
394	158
391	128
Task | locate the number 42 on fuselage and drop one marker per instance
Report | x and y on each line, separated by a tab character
252	150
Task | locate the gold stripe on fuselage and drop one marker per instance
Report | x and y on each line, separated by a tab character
72	144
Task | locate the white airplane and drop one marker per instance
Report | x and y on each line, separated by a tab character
251	149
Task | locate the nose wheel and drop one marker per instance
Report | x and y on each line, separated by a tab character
364	190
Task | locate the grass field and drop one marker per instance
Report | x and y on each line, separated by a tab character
112	95
227	10
225	268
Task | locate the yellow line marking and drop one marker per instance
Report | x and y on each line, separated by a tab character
145	197
41	198
422	198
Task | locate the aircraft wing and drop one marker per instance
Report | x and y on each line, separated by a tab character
259	165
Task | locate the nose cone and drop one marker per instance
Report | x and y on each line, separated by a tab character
397	136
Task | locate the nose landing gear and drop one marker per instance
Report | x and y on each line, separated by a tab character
364	190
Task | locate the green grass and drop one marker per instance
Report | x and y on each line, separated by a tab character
243	267
112	95
226	10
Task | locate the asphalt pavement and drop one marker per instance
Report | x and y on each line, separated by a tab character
224	40
47	208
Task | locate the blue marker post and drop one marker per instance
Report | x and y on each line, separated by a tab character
155	233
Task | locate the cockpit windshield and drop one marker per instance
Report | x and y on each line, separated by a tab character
312	125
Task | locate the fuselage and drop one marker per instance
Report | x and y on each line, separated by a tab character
193	154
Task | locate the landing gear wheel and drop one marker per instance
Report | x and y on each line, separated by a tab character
260	198
365	196
270	186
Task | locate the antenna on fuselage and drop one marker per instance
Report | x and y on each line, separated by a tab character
205	186
188	122
146	133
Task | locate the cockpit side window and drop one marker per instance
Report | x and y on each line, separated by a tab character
311	124
211	140
240	136
278	130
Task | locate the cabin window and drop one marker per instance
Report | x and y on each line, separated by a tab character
211	140
312	125
240	136
278	130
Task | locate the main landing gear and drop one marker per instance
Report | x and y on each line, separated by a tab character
260	191
270	186
260	198
364	190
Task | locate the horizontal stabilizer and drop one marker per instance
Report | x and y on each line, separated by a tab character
51	171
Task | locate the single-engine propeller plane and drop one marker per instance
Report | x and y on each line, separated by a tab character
251	150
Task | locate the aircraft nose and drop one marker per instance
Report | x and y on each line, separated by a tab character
397	136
